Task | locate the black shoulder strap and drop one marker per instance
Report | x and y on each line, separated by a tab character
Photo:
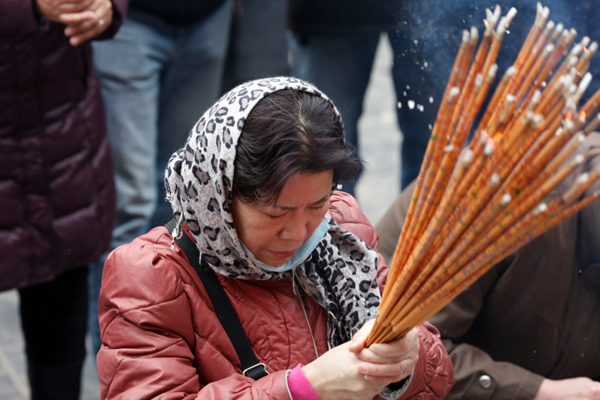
251	367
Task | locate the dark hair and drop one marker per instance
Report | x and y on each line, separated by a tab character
287	133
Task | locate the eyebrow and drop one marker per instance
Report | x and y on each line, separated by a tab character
284	208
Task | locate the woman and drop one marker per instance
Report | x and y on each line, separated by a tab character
253	188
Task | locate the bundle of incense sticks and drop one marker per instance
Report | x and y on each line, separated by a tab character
474	205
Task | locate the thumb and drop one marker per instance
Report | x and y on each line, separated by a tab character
358	340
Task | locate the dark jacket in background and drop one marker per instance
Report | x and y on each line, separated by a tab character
343	16
178	12
56	180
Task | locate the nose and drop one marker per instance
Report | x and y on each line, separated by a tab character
295	229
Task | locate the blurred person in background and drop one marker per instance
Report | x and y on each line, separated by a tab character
161	70
257	44
333	43
56	179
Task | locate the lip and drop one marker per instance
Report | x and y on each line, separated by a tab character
282	254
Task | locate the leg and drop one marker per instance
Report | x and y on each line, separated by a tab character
340	66
190	84
257	44
418	101
129	67
54	319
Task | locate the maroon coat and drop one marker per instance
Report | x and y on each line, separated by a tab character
56	180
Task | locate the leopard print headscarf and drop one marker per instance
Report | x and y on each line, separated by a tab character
340	274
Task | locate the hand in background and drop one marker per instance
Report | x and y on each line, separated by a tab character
568	389
351	371
85	19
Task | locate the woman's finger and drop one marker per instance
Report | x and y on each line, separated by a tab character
358	340
382	353
76	18
387	373
82	32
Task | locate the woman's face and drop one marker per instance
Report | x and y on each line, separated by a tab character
274	232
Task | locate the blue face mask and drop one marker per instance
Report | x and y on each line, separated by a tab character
299	256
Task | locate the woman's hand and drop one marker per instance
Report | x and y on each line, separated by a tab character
85	19
350	371
380	360
568	389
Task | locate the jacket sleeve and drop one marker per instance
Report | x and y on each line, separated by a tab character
17	17
434	375
477	374
147	334
119	13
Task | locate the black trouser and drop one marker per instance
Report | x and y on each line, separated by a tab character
54	318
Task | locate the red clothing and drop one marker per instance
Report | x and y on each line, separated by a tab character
161	337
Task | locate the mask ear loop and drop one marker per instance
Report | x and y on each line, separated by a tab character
177	231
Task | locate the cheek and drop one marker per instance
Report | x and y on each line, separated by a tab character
316	220
314	223
259	233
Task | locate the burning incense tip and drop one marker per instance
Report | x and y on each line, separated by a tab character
453	93
497	11
510	15
559	131
495	179
489	148
479	81
536	97
583	178
465	36
546	12
474	35
547	50
501	29
538	120
467	156
557	31
585	41
510	71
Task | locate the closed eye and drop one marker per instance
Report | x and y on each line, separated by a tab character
319	207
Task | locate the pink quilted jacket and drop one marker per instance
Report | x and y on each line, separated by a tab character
162	339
